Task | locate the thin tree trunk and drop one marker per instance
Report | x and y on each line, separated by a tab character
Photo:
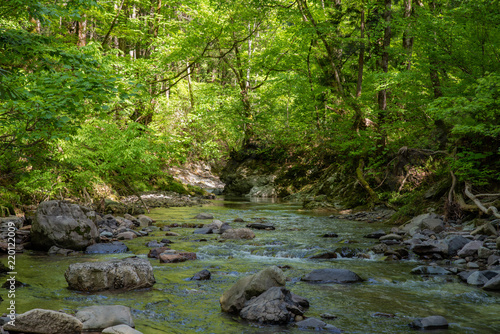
407	38
190	88
82	32
361	58
382	94
113	23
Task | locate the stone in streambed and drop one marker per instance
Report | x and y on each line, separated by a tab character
430	270
238	233
375	234
432	322
493	284
261	226
155	252
172	256
96	318
316	325
127	274
456	243
470	249
65	225
204	215
45	322
330	275
111	248
233	299
202	275
274	306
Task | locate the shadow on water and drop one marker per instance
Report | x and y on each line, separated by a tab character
177	305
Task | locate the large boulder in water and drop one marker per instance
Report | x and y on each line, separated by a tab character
65	225
97	318
45	322
233	299
330	275
127	274
274	306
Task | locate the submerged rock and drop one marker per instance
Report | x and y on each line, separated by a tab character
111	248
330	275
128	274
233	299
261	226
120	329
432	322
204	215
317	325
430	270
45	322
97	318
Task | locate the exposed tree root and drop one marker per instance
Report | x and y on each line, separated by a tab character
491	210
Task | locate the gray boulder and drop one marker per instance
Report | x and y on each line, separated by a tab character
330	275
127	274
433	224
238	233
233	299
430	247
65	225
144	221
470	249
476	278
493	284
456	243
417	223
45	322
96	318
274	306
111	248
432	322
202	275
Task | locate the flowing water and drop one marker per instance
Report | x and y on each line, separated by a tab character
177	305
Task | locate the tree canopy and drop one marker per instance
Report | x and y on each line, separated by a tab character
98	92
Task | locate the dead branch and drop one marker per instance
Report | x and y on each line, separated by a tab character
489	211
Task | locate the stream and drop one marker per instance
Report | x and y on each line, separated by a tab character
178	305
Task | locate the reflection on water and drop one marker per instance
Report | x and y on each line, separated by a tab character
178	305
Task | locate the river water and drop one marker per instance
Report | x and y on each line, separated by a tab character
177	305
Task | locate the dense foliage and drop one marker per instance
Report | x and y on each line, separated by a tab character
111	92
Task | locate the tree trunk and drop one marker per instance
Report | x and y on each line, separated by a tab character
384	65
190	88
407	38
82	32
